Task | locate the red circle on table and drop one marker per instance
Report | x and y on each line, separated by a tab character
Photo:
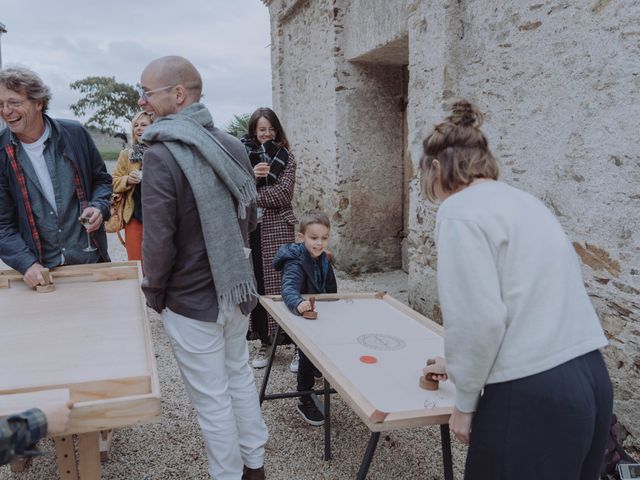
368	359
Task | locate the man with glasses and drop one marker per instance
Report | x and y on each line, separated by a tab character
51	174
199	203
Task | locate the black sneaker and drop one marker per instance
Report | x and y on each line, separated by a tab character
317	373
310	413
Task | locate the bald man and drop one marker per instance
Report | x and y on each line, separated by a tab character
198	203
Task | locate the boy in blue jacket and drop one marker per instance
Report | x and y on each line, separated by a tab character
306	269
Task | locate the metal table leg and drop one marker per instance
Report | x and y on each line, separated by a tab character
368	455
447	460
327	420
265	380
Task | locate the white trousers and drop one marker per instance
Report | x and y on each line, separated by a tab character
214	363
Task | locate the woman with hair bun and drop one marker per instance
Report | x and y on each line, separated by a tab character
533	395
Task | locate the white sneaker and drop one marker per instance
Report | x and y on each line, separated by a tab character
295	363
262	358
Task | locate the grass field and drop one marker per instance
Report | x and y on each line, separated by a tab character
110	154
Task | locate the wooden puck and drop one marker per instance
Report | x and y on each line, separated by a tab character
427	382
45	288
310	315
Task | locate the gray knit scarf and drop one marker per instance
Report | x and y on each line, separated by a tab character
223	191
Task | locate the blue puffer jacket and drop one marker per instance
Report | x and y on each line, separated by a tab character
299	273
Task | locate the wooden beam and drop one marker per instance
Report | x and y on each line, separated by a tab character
93	390
19	402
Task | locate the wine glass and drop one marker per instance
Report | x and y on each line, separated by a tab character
85	221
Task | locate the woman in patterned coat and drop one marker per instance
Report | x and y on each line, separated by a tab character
275	170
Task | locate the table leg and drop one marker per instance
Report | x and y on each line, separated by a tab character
327	420
447	460
89	455
265	380
66	457
105	444
368	455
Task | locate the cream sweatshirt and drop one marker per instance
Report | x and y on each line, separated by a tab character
511	290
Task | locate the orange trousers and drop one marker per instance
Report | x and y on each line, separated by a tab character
133	239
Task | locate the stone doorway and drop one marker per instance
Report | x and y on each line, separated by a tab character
376	129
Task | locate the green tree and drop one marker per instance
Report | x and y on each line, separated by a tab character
112	103
239	126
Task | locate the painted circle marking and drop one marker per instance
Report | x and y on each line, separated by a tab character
381	341
370	359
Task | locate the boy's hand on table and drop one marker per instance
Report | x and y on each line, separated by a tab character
304	306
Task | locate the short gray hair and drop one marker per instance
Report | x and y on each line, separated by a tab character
26	81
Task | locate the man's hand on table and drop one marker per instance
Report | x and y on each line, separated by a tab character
33	275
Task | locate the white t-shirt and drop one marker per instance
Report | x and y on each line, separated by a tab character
511	290
35	152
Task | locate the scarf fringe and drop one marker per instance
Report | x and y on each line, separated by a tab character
248	194
240	293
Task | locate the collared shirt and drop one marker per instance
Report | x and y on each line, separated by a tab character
63	237
19	433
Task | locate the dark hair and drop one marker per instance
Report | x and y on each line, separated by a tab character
26	81
281	137
310	218
461	148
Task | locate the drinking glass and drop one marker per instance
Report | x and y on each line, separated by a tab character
85	223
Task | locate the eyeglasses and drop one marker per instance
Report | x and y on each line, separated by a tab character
11	104
144	95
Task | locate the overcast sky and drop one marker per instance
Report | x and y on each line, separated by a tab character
67	40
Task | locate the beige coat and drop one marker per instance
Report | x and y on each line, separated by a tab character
120	175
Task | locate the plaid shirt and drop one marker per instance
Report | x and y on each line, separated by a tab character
19	433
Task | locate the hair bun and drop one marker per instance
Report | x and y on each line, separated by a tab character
465	114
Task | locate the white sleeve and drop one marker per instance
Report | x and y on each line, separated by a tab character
474	315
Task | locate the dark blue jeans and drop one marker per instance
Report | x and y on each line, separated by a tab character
306	380
552	425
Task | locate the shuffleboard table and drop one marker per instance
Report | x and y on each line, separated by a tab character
87	340
371	349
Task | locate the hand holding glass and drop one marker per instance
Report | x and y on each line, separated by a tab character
86	223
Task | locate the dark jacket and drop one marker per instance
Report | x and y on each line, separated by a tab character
17	245
19	434
299	274
176	265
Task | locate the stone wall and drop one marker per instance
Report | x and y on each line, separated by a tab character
359	83
309	121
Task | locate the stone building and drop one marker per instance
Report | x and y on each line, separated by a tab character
358	83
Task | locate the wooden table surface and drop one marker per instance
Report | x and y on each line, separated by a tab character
91	337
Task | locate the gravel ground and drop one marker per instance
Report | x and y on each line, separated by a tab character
173	449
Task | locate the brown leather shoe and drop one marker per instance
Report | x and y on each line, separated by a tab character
253	473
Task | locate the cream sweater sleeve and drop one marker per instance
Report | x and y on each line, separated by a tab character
474	314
